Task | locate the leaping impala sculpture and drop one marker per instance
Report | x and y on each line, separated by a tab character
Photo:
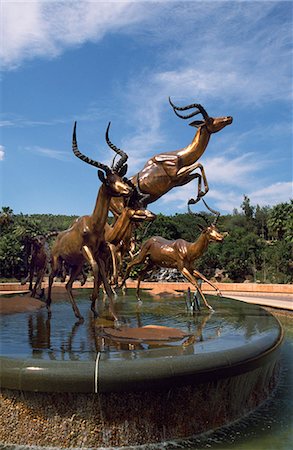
85	240
175	168
178	254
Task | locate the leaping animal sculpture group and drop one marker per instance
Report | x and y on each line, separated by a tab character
92	240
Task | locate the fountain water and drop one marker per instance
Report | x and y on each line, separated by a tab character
72	384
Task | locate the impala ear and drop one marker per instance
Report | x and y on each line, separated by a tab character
197	123
200	226
101	176
123	170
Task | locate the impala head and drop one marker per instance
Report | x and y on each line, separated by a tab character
115	184
136	210
213	125
112	178
210	230
142	215
213	234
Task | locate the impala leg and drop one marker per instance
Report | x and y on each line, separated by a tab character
107	287
99	270
53	273
193	280
74	273
63	272
200	275
38	282
94	295
95	268
84	277
205	182
114	264
136	260
141	275
185	172
31	276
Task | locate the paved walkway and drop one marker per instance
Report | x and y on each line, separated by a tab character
274	296
281	301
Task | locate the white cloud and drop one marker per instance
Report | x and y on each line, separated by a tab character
44	28
49	153
228	59
232	171
2	153
225	198
271	195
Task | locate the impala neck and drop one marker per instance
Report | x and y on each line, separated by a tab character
199	246
100	212
119	228
193	151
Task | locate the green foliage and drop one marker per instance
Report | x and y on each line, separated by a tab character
163	226
259	245
17	231
280	221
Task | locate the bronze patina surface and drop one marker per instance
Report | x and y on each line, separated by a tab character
167	170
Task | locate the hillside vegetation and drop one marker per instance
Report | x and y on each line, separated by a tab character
258	247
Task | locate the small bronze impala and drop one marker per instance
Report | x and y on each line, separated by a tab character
118	235
170	169
38	261
85	240
178	254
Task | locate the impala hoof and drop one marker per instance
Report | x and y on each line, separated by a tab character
117	324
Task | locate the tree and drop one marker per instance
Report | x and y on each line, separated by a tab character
246	253
247	208
280	221
6	218
261	219
163	226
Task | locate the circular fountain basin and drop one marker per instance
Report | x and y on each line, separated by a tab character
164	374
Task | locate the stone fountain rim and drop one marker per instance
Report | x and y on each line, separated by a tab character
105	375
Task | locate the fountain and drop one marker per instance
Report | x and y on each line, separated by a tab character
165	372
106	387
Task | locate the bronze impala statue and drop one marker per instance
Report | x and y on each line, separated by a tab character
178	254
85	240
119	235
169	169
38	261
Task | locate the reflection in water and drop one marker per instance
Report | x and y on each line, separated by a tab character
70	342
39	337
60	338
131	341
233	324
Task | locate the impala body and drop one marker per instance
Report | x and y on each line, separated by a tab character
178	254
120	233
85	242
175	168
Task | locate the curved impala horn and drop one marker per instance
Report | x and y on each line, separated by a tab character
84	157
200	110
193	202
212	211
121	153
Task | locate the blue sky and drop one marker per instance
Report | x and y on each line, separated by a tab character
96	62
